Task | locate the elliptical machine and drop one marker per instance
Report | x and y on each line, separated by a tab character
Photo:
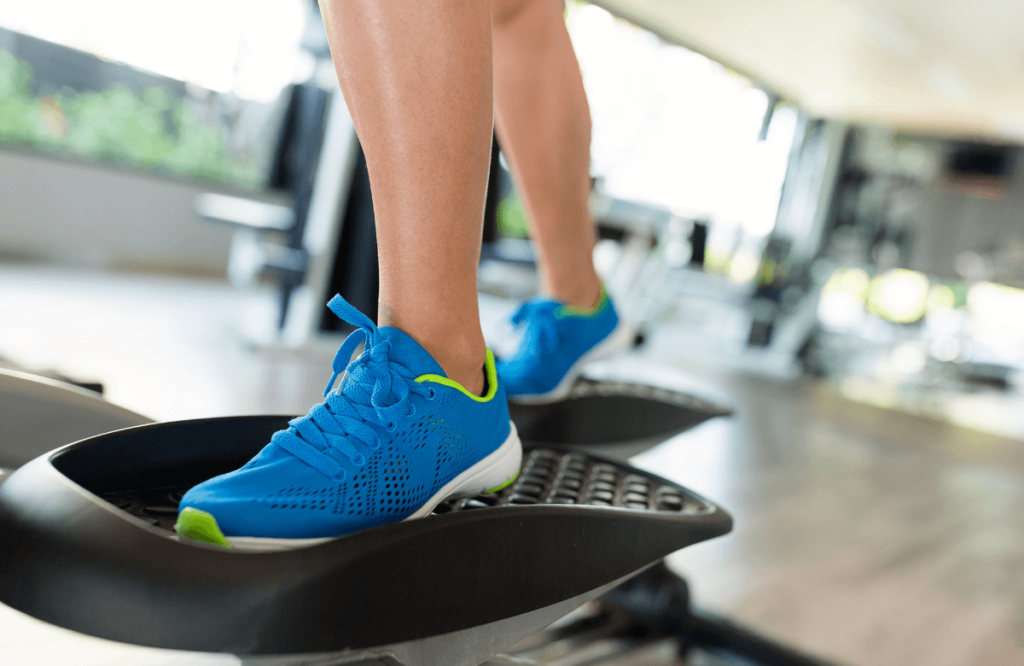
39	414
89	546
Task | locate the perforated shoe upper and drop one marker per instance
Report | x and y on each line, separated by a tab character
381	445
554	338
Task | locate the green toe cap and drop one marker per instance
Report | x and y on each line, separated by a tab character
200	526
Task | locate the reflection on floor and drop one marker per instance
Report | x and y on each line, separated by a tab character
864	536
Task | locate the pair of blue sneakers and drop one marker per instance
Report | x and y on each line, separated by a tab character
397	436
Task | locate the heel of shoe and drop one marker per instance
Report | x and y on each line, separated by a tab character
503	486
495	472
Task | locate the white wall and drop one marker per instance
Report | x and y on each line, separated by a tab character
90	215
953	222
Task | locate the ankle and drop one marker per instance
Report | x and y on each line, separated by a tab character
462	363
471	377
455	342
477	385
578	294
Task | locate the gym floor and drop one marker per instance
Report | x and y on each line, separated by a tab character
863	536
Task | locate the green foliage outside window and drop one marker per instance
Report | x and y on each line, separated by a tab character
119	126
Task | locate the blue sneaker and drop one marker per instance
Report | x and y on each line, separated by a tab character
395	439
558	341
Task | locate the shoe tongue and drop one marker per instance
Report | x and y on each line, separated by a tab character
408	353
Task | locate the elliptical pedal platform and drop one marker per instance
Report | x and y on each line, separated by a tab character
39	414
621	419
91	548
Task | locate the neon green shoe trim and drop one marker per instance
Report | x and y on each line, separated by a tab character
586	313
492	381
200	526
504	485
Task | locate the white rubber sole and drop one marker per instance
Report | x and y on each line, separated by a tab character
620	338
498	469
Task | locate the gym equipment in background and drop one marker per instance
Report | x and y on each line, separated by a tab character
330	244
322	242
292	172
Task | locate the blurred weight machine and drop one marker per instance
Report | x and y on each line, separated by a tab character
325	242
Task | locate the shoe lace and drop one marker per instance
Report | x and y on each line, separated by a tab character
375	397
537	317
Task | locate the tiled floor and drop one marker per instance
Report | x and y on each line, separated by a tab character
862	535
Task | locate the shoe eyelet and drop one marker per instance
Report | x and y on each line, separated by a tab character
391	427
340	478
360	461
412	411
432	394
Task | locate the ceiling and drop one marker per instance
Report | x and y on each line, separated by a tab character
946	67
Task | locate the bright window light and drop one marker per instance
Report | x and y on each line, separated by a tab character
249	47
899	295
674	128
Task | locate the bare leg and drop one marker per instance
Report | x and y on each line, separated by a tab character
417	78
544	125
